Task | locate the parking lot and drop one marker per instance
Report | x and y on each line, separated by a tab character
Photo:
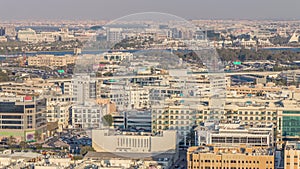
71	139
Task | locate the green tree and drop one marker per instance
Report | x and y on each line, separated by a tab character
107	120
85	149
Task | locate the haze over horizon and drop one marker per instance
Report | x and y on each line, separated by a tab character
112	9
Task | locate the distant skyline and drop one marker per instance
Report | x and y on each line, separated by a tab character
112	9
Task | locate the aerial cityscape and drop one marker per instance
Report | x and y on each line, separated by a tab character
88	86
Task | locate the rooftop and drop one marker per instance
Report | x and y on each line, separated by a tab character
112	132
128	156
19	155
292	145
251	151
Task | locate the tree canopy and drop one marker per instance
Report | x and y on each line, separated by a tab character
261	54
107	120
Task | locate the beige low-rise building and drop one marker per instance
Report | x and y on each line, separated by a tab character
34	86
51	60
230	157
291	155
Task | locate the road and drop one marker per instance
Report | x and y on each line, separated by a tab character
181	162
153	76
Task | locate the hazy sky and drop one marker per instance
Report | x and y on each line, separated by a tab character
112	9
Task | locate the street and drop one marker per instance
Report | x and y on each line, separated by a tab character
181	162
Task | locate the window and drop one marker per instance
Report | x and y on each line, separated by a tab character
10	107
29	106
236	140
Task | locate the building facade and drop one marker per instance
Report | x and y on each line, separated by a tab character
104	140
291	155
133	120
23	118
88	115
235	134
59	110
51	60
226	157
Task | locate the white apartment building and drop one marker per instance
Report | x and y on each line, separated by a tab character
116	56
138	97
84	88
88	115
114	35
248	43
173	117
235	134
31	36
59	110
126	96
27	35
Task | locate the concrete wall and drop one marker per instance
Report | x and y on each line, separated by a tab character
104	142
